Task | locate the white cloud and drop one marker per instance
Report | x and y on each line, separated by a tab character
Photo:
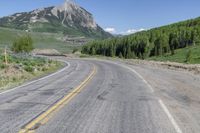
131	31
110	30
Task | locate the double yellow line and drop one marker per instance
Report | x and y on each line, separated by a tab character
44	117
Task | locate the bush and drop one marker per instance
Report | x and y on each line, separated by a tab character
44	69
120	55
29	69
189	56
14	79
23	44
75	50
3	66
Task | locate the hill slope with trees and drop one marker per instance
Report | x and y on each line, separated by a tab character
154	42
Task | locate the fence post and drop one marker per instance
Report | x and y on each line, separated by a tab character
5	55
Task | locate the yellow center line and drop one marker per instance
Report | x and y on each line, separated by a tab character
44	117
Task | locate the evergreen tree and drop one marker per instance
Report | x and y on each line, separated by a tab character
154	42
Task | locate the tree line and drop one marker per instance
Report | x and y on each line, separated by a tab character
154	42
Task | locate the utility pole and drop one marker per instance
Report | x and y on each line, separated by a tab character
5	55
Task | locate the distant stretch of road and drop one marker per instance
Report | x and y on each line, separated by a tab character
91	96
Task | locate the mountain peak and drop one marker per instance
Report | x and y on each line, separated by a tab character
68	18
70	2
68	6
72	12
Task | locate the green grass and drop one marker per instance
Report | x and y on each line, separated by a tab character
41	40
180	56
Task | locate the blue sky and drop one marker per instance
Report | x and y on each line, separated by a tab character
119	16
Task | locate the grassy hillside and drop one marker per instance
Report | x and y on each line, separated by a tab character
180	56
41	40
159	42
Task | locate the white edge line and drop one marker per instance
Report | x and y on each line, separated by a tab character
68	65
163	106
178	130
131	69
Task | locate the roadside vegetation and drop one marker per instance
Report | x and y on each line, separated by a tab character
21	68
18	66
167	42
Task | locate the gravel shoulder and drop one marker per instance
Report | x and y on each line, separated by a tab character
178	87
190	68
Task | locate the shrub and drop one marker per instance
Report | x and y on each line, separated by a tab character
23	44
3	66
44	69
50	61
14	79
189	56
29	69
75	50
120	55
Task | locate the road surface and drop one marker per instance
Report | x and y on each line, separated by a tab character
89	96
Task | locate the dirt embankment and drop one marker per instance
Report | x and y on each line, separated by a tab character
194	68
46	52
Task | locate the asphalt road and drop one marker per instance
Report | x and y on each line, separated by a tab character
92	97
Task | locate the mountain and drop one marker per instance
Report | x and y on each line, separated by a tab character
69	18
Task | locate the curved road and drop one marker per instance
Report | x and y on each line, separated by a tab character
88	96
